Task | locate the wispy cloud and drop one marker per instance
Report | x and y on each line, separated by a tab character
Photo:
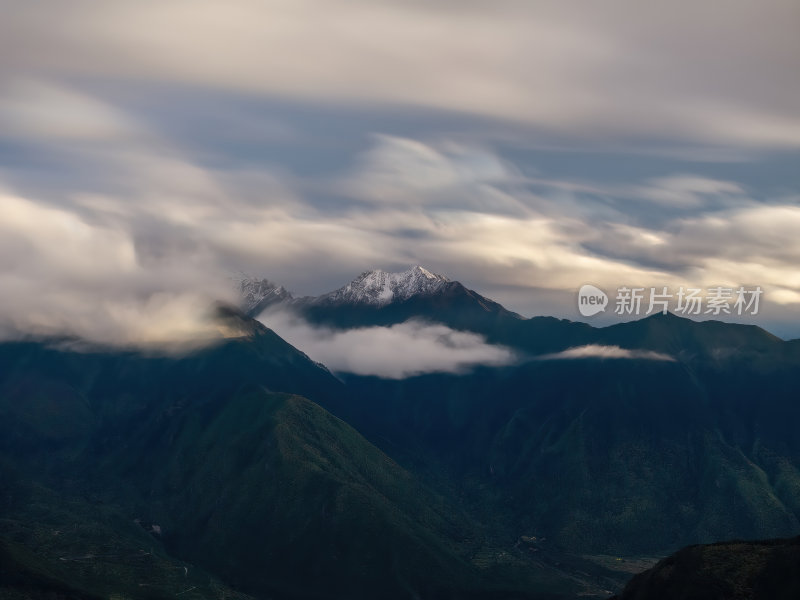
598	70
62	275
155	220
395	352
307	141
605	352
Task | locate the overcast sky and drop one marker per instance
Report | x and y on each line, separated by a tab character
150	148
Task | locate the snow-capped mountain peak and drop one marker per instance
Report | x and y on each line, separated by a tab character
371	288
257	294
378	287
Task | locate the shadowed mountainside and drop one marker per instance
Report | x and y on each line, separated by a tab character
738	570
483	485
134	474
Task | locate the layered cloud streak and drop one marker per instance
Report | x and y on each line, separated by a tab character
141	163
622	67
403	350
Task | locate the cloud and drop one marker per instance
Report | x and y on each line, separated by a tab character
327	137
36	109
138	225
108	219
401	170
605	352
62	275
681	191
395	352
752	244
604	70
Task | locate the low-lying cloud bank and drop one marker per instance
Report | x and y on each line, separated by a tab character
598	351
63	275
403	350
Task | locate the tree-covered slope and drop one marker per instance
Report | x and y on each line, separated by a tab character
145	465
605	455
738	570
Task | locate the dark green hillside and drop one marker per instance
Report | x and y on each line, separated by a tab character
73	545
120	470
689	340
624	456
276	495
486	484
757	570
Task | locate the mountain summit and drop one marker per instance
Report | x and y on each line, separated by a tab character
382	298
258	294
378	288
374	288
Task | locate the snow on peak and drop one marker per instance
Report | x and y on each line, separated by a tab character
378	287
257	294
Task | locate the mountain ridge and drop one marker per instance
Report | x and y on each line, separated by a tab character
626	456
212	458
731	570
374	288
375	299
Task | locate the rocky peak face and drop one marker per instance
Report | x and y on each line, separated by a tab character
378	288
